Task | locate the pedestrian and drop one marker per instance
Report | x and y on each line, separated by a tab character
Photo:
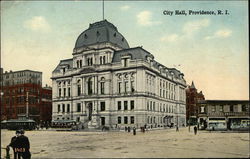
195	130
125	128
23	146
177	128
134	131
129	129
13	144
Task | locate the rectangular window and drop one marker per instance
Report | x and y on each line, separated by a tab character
125	62
126	87
221	108
119	120
78	107
64	92
125	120
213	108
102	106
68	92
132	86
243	108
63	108
119	105
58	108
79	90
231	108
132	120
119	87
68	107
102	87
132	105
125	105
59	92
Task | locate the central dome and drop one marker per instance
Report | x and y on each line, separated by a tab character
101	32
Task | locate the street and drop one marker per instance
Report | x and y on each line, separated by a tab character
166	143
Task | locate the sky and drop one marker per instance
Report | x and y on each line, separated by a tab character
211	50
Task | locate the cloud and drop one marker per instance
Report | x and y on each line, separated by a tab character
223	33
188	29
126	7
145	18
37	23
170	38
196	25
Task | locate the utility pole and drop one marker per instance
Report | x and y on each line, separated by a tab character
27	105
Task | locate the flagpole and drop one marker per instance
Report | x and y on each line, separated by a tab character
102	9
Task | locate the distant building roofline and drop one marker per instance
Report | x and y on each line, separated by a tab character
21	71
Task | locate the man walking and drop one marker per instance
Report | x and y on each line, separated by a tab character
195	130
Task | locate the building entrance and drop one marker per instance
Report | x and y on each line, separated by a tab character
102	121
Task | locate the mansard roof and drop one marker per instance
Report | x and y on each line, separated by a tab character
135	53
67	62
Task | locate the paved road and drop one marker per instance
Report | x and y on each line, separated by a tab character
165	143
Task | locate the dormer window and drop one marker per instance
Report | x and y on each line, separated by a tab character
125	63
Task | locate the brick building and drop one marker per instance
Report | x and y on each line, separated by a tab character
192	98
19	87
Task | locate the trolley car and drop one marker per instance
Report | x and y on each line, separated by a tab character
15	124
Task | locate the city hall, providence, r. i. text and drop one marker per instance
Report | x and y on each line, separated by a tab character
107	83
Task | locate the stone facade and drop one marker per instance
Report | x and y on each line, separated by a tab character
107	83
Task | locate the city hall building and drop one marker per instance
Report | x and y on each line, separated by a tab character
107	83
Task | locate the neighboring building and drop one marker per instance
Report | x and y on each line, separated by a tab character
108	83
192	98
46	104
224	114
17	88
